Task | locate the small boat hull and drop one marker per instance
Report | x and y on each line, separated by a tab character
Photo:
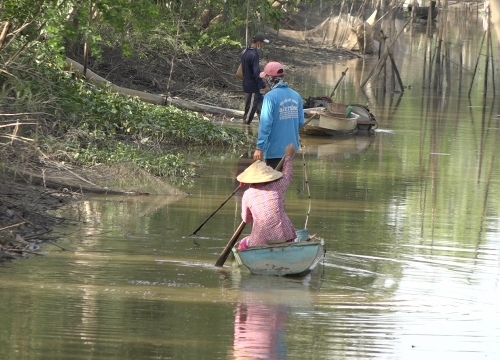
295	258
325	123
331	120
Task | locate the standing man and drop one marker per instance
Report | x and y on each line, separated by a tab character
252	83
281	117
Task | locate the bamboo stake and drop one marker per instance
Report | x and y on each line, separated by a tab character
246	23
325	31
487	59
346	28
461	73
386	54
338	23
436	65
394	66
448	67
492	61
477	62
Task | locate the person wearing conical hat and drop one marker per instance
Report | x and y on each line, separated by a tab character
263	203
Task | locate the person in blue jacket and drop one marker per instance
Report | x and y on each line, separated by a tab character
281	117
252	84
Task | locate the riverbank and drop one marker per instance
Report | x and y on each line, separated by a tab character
207	78
25	222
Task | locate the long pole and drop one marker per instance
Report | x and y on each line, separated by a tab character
221	205
338	82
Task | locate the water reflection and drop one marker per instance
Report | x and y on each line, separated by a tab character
262	313
336	148
259	331
244	161
410	218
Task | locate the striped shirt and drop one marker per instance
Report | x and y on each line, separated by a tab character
264	205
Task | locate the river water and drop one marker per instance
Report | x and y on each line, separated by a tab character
410	218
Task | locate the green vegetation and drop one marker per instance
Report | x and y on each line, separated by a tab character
74	121
81	123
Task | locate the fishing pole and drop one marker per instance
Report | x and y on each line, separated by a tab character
306	182
221	205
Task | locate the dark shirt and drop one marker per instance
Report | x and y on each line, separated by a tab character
252	83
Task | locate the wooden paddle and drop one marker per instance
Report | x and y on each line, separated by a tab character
225	253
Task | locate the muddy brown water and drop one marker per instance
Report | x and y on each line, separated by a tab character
410	217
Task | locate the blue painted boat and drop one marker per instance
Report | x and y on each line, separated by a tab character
291	258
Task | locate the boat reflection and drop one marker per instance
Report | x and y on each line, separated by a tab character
264	306
330	147
336	147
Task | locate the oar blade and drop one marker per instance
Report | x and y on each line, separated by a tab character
225	253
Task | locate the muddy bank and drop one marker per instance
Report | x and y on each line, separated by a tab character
208	78
25	221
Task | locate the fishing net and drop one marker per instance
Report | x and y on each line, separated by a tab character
128	177
341	31
118	179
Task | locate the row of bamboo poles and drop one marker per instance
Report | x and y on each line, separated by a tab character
437	56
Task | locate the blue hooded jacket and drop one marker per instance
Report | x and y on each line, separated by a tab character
281	117
252	83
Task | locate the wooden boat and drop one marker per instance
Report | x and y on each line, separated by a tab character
326	123
191	105
291	258
330	118
366	120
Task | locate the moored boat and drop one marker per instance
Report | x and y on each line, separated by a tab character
325	122
290	258
329	118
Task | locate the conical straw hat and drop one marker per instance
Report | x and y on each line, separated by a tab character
258	172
